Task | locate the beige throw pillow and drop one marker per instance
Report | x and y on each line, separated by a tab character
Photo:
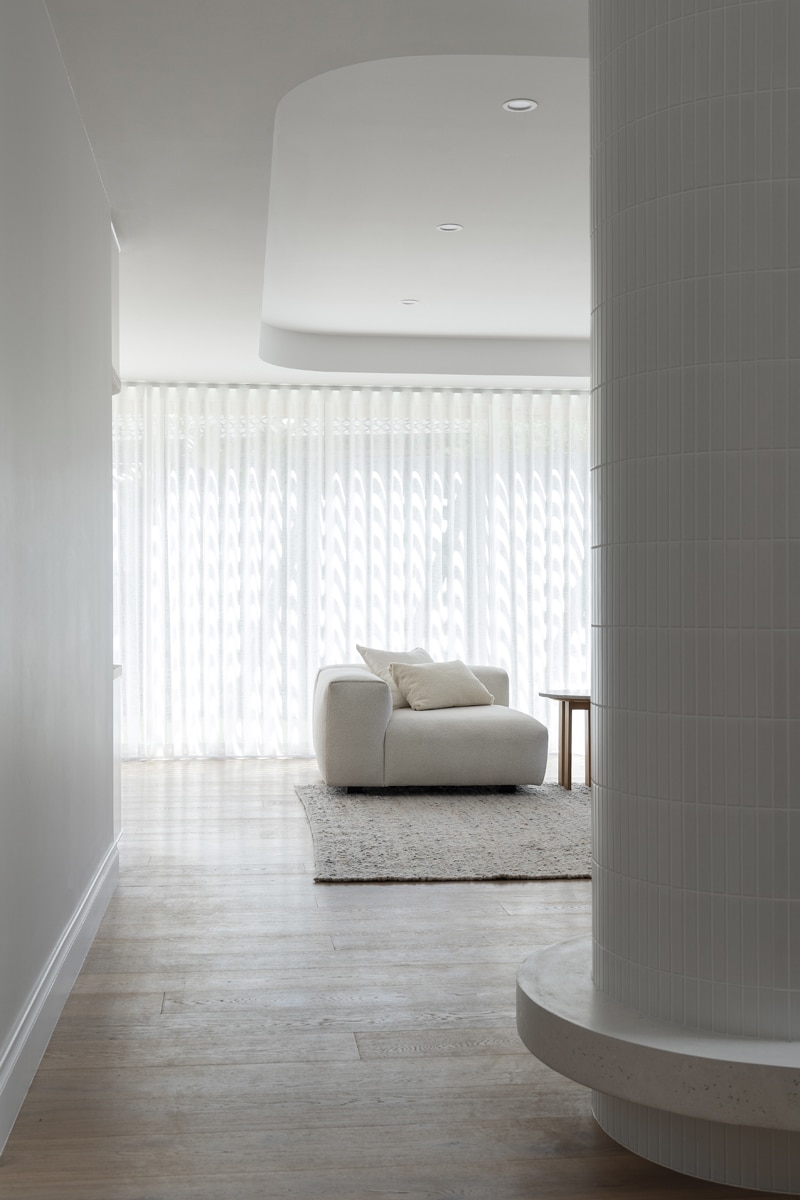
440	685
379	662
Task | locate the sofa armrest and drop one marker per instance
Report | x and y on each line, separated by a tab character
495	679
352	708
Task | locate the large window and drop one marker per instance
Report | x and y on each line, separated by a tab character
261	532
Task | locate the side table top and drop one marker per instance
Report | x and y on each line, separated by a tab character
574	696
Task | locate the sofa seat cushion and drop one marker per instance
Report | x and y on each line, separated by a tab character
482	745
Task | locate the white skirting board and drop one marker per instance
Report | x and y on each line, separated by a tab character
28	1042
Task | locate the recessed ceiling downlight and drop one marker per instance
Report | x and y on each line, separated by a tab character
409	300
520	104
449	227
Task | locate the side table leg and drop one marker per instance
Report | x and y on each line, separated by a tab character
562	744
568	748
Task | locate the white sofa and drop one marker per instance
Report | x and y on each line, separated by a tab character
360	740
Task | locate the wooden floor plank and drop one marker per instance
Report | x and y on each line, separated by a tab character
178	1152
434	1043
584	1178
196	1045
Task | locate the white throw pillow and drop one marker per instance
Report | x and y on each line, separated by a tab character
379	662
440	685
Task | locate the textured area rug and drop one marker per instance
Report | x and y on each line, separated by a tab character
447	833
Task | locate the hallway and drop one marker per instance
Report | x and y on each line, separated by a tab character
240	1033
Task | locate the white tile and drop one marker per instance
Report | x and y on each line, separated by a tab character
704	576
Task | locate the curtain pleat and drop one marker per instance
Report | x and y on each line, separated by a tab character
260	532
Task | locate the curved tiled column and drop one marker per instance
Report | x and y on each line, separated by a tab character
696	655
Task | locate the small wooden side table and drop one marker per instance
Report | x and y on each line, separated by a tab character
570	701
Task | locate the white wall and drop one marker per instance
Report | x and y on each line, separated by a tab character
57	859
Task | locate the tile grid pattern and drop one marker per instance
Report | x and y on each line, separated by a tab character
696	500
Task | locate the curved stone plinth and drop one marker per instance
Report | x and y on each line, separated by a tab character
737	1099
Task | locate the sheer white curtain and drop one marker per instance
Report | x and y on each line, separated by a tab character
262	531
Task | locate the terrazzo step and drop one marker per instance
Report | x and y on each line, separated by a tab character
567	1024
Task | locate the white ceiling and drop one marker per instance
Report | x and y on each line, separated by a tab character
329	138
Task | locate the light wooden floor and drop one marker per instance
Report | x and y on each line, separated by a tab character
240	1033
